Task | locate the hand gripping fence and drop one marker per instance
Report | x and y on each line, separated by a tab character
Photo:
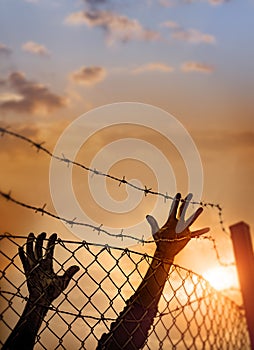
191	314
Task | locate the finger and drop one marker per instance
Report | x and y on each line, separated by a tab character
200	232
50	247
38	245
69	273
153	223
29	247
180	227
23	259
194	217
174	206
184	206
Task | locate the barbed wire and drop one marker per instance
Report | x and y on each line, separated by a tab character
121	235
100	228
73	222
146	189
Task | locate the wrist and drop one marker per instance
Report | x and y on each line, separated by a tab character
38	306
164	258
39	299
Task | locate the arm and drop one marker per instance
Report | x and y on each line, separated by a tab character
131	328
43	285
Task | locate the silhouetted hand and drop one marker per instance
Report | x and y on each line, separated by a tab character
130	330
175	234
43	284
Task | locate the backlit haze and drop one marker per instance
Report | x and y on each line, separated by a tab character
193	59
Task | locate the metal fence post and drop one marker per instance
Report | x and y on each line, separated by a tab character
240	234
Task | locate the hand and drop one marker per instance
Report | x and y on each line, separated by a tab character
43	284
175	234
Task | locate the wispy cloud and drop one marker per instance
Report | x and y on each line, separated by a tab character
115	26
10	96
96	2
153	67
193	36
169	3
5	50
193	66
166	3
217	2
89	75
170	24
29	96
35	48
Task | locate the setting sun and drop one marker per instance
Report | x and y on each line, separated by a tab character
221	278
126	182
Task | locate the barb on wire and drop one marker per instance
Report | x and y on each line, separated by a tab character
73	222
218	255
100	228
146	190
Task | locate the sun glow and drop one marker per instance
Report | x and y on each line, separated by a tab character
221	278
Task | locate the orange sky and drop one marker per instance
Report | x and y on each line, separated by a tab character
188	58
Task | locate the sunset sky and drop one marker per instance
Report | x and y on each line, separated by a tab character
191	58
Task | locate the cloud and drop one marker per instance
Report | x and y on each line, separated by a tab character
115	26
88	75
170	24
171	3
217	2
29	96
193	66
9	96
212	2
154	66
5	50
95	2
166	3
35	48
193	36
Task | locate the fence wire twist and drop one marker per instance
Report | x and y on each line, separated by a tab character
191	314
100	229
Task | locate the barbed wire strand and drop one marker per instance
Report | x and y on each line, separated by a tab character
146	190
73	221
100	228
228	327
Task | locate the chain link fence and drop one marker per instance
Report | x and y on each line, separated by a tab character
191	314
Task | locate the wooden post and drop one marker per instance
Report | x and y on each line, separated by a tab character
240	234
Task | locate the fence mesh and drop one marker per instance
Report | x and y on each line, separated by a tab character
191	314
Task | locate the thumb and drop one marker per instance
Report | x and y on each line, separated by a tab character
153	223
69	273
